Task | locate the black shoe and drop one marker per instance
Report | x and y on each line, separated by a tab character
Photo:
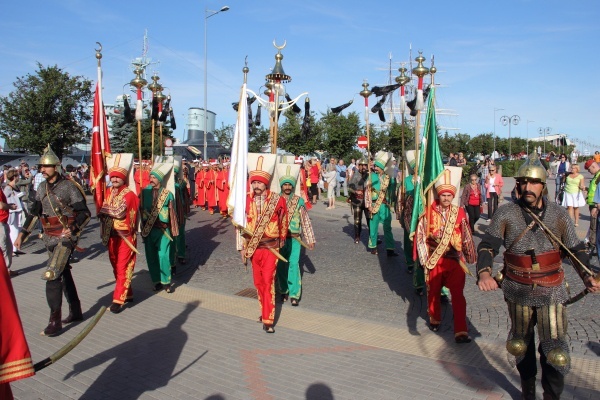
463	338
268	328
434	327
419	291
444	299
54	326
12	273
116	308
169	288
158	287
379	241
392	253
19	252
75	314
357	240
410	271
374	251
294	302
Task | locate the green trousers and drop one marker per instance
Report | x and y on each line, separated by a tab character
158	256
383	216
288	273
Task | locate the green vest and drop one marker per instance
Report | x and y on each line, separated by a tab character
592	189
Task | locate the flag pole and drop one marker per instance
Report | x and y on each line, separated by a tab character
420	71
366	93
139	82
402	80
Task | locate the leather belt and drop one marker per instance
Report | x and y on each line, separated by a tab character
160	225
549	272
268	244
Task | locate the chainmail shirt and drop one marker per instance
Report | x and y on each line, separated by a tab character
507	225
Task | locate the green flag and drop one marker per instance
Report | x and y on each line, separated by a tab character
430	163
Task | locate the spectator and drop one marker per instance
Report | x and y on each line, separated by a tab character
574	198
329	176
574	156
462	161
24	184
13	196
597	156
342	178
561	171
483	173
493	185
452	160
472	200
314	175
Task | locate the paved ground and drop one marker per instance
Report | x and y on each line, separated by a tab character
360	331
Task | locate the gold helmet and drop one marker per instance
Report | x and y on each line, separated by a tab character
532	169
362	161
48	157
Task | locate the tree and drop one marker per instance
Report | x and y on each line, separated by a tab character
224	135
132	143
121	133
49	107
340	132
258	139
293	140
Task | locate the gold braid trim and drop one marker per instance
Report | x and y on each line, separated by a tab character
292	205
261	226
160	201
448	230
385	181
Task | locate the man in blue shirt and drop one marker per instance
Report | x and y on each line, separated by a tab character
341	178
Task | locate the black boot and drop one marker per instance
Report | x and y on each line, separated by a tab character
528	389
54	325
75	314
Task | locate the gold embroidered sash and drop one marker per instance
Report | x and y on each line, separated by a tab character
108	221
160	201
447	235
261	226
385	181
292	205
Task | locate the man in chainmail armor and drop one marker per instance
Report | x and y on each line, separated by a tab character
356	188
533	278
60	205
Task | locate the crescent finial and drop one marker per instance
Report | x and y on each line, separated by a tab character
279	47
100	49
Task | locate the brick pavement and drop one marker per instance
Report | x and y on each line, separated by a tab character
359	332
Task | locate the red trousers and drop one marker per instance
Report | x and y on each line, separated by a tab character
264	265
122	259
449	273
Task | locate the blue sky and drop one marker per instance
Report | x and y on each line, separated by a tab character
533	58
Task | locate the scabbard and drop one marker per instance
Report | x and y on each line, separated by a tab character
72	344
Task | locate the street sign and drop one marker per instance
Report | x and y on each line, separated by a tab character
168	151
168	142
362	142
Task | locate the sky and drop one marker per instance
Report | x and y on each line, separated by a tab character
533	58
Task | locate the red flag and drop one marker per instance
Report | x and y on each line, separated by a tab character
100	149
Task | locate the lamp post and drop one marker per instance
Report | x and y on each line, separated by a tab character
494	152
544	131
513	120
207	14
527	146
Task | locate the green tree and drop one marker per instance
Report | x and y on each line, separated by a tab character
340	132
121	133
132	143
49	106
224	135
258	139
292	139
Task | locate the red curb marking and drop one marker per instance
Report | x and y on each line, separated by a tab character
256	379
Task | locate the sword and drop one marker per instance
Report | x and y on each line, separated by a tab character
72	344
272	250
301	242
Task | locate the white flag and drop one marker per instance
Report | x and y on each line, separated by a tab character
238	173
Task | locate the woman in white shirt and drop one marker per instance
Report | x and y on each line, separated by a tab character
16	216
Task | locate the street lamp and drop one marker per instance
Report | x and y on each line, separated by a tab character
514	120
527	147
494	152
544	131
207	14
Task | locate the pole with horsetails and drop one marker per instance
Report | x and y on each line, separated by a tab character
420	71
366	93
155	88
139	82
402	80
